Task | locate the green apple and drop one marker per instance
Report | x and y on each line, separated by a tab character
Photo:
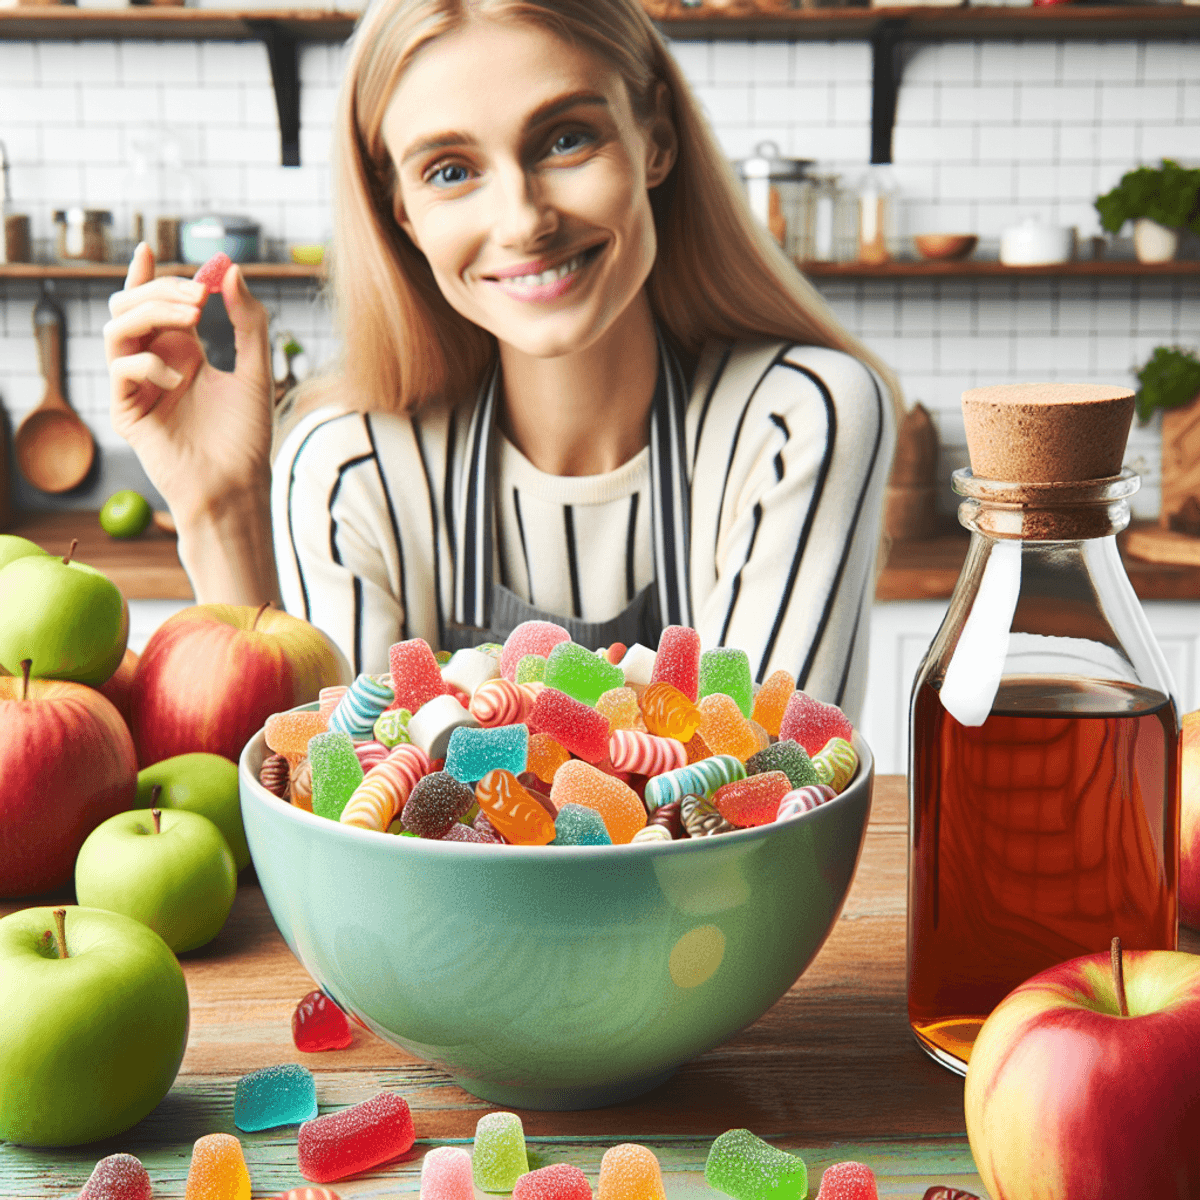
201	783
13	547
126	515
171	870
89	1043
67	618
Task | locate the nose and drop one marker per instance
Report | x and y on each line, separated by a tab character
525	213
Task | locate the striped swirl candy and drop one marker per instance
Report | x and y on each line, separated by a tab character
700	778
701	818
358	709
370	753
328	698
802	800
652	833
643	753
835	763
385	788
500	702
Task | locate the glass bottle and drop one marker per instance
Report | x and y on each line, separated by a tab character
1044	757
876	214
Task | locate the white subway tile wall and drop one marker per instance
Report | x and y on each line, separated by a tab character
986	133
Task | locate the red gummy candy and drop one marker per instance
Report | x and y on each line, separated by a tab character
848	1181
530	637
559	1181
213	271
117	1177
812	723
575	726
678	660
465	833
416	675
318	1024
356	1139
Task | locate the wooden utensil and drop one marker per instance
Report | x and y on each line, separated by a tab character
54	448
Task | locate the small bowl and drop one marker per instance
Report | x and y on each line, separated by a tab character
550	977
945	247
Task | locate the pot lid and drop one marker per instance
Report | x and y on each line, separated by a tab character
767	163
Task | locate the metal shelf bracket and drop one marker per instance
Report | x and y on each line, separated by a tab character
283	54
886	68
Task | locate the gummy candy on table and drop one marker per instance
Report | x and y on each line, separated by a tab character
435	803
336	772
559	1181
288	733
727	670
472	753
578	782
790	758
274	1096
848	1181
699	778
355	1139
328	698
531	669
643	753
747	1168
620	705
753	800
530	637
701	818
117	1177
318	1024
771	700
576	726
668	712
499	1157
512	810
391	727
358	709
724	728
468	668
545	757
630	1172
697	748
273	775
218	1169
580	673
802	800
416	675
300	785
812	723
576	825
385	788
678	660
499	702
835	763
446	1174
431	726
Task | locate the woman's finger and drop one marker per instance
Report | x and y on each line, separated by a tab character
141	266
130	372
166	287
123	334
251	327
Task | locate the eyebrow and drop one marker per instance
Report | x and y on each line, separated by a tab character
544	112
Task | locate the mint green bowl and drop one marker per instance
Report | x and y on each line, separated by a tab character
552	977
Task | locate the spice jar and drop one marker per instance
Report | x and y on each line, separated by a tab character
83	234
1044	761
778	193
876	212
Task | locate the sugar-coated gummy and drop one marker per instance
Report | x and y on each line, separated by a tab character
355	1139
725	729
530	637
745	1167
771	699
117	1177
678	660
289	732
391	727
446	1174
574	725
318	1024
336	772
472	753
576	825
812	723
580	673
217	1170
620	705
281	1095
848	1181
751	801
211	274
545	756
499	1159
789	757
531	669
578	782
435	803
727	670
558	1181
416	674
630	1172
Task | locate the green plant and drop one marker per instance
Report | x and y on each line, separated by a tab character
1170	379
1169	194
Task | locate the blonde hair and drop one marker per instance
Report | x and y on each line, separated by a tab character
717	274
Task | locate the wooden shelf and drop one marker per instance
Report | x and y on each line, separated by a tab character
988	269
60	22
116	271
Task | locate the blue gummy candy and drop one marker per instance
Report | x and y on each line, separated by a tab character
283	1095
472	753
578	825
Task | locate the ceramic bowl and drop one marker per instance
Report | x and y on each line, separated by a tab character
945	247
554	977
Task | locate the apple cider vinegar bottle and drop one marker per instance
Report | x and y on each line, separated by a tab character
1044	757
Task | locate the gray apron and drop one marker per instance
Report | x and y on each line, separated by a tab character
487	611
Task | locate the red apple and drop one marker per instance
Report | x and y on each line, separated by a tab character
1068	1097
118	686
1189	823
67	764
211	675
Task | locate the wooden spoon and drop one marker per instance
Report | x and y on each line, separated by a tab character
54	448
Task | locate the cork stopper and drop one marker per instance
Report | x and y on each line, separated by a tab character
1047	432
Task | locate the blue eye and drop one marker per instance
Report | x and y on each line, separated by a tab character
568	143
449	175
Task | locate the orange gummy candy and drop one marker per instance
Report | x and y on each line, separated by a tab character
545	756
630	1172
772	699
668	712
724	728
514	813
620	706
578	782
697	748
218	1169
288	733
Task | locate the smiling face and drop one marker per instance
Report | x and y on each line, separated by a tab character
523	178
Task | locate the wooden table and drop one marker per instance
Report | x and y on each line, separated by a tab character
831	1071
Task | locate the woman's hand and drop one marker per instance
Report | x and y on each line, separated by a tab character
203	436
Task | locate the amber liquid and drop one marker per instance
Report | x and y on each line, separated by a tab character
1036	837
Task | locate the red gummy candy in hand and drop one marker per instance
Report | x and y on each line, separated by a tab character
318	1024
812	723
559	1181
117	1177
213	271
848	1181
356	1139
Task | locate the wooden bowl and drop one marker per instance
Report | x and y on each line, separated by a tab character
945	247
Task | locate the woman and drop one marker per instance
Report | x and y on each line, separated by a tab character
578	382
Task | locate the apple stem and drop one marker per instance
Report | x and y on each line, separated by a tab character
157	816
262	608
1118	973
26	667
70	553
60	920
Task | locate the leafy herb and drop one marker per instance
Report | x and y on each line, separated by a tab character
1170	379
1169	194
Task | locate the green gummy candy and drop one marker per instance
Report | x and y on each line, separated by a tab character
336	772
574	669
495	649
745	1167
531	668
498	1158
441	657
391	727
727	670
789	757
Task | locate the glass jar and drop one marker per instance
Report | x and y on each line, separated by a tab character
83	234
778	191
876	214
1044	757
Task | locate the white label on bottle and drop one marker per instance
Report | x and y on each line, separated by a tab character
973	676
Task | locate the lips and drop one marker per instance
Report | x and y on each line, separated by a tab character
543	274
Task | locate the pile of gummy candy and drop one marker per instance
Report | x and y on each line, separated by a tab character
540	741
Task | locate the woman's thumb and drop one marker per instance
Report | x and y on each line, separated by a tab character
251	324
